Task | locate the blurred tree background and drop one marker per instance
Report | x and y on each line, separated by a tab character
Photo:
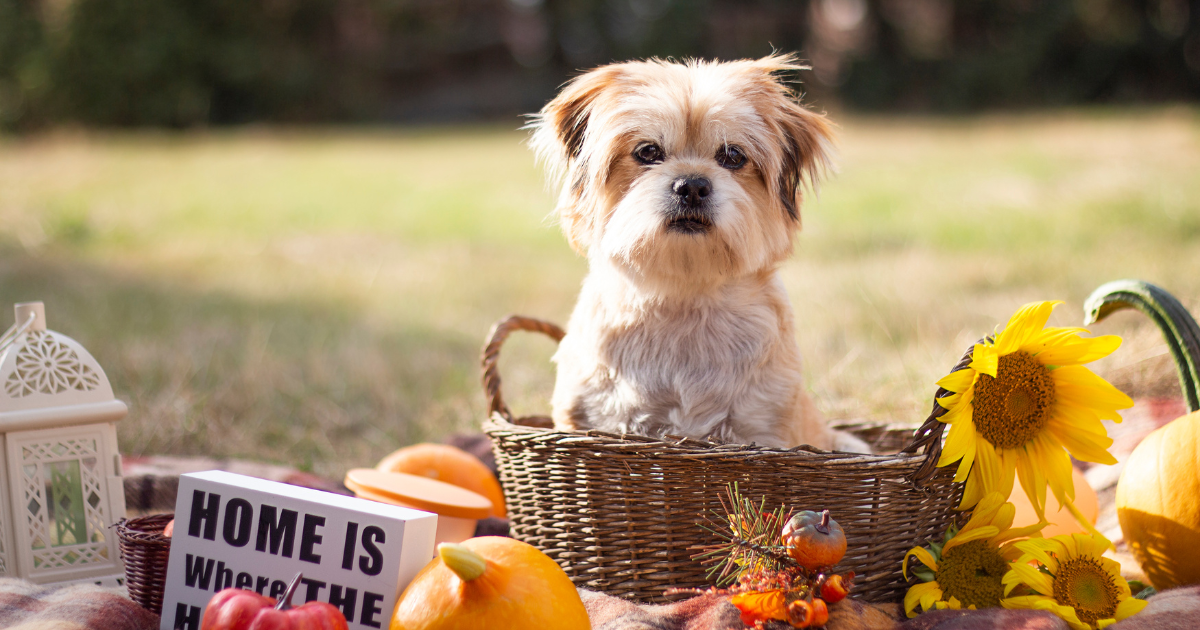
186	63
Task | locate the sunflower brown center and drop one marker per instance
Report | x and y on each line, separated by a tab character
972	573
1012	407
1083	584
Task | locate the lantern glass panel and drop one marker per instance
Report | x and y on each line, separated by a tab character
64	493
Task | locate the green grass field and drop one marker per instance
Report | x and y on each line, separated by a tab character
318	297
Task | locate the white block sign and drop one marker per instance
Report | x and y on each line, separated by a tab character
242	532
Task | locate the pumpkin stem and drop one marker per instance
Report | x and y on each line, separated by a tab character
285	602
823	526
1177	325
466	564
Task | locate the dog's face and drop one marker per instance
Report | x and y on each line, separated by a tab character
682	174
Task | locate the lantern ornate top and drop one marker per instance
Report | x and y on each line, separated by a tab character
48	379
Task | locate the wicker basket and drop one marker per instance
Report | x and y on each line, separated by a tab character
145	551
623	514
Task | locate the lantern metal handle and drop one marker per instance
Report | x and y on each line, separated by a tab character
15	331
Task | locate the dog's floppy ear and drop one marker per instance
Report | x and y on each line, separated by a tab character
560	132
804	136
561	127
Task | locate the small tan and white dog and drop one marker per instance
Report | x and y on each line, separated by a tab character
682	185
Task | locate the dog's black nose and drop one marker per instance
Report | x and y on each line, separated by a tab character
691	189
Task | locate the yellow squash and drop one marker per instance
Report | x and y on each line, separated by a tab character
1158	503
1158	496
490	582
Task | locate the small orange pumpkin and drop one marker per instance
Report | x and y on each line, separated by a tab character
450	465
814	540
820	612
800	613
836	588
490	582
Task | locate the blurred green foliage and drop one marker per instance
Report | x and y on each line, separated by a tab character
197	62
23	75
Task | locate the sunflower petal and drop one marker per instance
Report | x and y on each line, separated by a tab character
961	412
1070	546
948	402
1004	516
983	477
1076	350
1083	444
1081	386
985	511
988	463
1026	322
959	445
1055	467
986	531
928	599
1041	550
1050	337
985	359
973	490
1130	606
1029	576
1020	532
918	593
1054	337
1026	602
921	554
1114	568
1032	482
957	381
1077	418
1007	461
1009	552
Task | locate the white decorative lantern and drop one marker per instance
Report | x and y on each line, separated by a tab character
60	471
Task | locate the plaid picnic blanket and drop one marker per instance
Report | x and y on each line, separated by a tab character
28	606
1177	609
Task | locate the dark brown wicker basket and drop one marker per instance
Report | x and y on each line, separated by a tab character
623	514
145	551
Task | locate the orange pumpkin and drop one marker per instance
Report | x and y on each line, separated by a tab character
1158	503
814	540
490	582
450	465
836	588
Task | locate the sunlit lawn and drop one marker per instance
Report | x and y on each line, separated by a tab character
318	297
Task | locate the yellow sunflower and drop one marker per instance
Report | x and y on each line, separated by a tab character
1024	397
1072	581
965	570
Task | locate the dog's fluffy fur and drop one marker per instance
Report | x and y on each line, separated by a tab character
682	326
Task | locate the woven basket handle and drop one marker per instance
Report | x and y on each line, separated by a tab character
929	434
491	357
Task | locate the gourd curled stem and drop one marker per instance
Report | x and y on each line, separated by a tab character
1177	325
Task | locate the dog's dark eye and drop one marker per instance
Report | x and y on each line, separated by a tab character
648	153
731	157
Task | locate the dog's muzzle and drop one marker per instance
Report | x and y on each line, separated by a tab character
689	213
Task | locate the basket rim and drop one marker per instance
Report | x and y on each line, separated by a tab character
926	442
498	425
